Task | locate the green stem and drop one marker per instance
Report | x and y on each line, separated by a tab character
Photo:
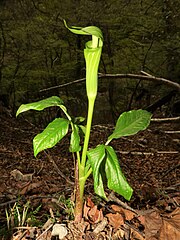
82	182
82	177
88	130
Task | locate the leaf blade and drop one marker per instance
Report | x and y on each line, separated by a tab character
116	180
96	157
40	105
51	135
129	123
75	139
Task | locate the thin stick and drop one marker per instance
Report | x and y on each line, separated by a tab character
165	119
169	170
58	170
113	198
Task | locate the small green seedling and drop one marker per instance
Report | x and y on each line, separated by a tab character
102	160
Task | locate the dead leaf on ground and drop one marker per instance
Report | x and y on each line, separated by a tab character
19	176
136	235
95	215
153	223
128	215
115	220
91	212
170	229
30	187
89	202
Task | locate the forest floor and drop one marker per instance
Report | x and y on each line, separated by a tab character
150	161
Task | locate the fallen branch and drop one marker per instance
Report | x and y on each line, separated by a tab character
141	77
130	76
148	153
165	119
113	198
171	132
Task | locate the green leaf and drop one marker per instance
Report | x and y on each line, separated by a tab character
51	135
78	120
40	105
129	123
75	139
116	180
83	129
96	157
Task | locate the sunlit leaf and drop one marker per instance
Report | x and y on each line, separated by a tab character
116	180
96	157
40	105
129	123
51	135
75	140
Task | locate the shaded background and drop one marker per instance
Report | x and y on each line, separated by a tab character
38	52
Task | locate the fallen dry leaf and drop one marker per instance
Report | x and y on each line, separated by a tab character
90	203
128	215
30	187
100	227
115	220
95	215
153	223
136	235
86	210
19	176
170	229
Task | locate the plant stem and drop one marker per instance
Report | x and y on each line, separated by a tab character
82	177
88	130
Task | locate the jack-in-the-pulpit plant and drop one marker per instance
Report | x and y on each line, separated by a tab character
102	160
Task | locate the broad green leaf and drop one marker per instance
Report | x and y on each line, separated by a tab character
116	180
129	123
51	135
96	157
40	105
75	139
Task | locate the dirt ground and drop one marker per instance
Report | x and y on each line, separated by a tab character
150	161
